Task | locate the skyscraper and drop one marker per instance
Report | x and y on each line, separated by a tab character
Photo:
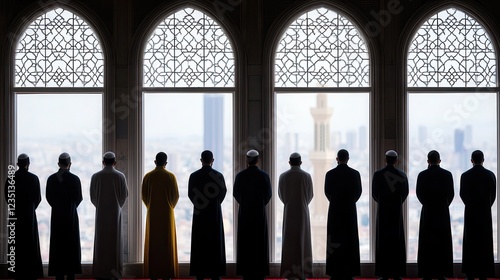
213	127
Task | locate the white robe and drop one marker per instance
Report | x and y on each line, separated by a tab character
108	193
295	189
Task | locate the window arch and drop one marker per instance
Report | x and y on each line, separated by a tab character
58	78
59	49
321	69
188	49
188	87
451	81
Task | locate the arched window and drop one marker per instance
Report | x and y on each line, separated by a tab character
59	79
188	87
452	107
322	95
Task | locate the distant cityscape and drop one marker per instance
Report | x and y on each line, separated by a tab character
184	153
455	153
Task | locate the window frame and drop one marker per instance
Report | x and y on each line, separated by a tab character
409	32
20	25
277	32
239	108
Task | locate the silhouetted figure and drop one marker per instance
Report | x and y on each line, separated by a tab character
295	190
252	191
64	194
22	194
343	189
478	192
206	190
160	194
389	190
435	191
108	193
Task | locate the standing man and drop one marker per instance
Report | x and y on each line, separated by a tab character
108	193
160	195
295	190
389	190
22	194
252	191
64	194
478	192
207	190
342	189
435	191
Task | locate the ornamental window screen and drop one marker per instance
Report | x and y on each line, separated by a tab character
321	48
188	49
451	49
59	49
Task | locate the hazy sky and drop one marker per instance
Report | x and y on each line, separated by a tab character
55	115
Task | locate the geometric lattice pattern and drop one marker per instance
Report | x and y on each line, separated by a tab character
59	49
322	49
188	49
451	49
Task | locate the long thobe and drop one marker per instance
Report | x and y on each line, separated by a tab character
435	251
206	190
22	200
389	190
64	194
295	190
108	193
252	191
160	194
478	192
342	189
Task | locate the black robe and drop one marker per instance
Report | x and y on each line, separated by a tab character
435	251
207	190
342	189
28	260
64	194
478	192
389	190
252	190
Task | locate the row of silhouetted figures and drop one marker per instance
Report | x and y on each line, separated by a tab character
252	190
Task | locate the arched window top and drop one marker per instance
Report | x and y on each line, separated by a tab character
188	49
322	48
451	49
59	49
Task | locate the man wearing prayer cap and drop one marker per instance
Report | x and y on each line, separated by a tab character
108	193
160	194
64	194
391	153
252	191
478	193
342	189
207	190
22	194
295	190
389	190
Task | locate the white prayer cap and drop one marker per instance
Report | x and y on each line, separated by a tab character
109	155
252	153
64	156
295	155
391	153
22	157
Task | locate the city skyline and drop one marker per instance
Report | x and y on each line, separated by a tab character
456	144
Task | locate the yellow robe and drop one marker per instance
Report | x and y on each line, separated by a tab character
160	195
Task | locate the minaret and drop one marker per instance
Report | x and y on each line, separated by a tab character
322	159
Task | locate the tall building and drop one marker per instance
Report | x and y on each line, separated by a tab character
322	159
213	127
